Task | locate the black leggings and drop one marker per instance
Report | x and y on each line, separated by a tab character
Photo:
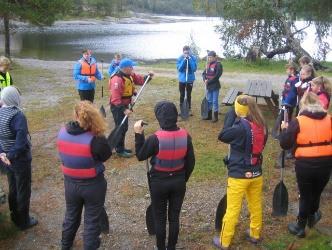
311	183
169	190
182	88
88	95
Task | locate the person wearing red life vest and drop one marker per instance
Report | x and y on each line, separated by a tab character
245	130
321	86
83	148
211	77
173	160
311	134
86	73
122	89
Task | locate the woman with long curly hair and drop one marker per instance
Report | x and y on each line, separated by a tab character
83	148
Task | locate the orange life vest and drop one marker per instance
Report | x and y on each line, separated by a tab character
314	138
88	69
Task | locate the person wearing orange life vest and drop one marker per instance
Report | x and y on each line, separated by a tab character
173	160
311	134
211	77
85	73
245	130
122	89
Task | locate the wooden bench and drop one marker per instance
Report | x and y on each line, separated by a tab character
263	89
230	97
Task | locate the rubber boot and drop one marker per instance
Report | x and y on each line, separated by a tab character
298	228
215	118
313	219
209	115
216	243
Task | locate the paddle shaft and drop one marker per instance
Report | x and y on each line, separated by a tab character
187	69
283	151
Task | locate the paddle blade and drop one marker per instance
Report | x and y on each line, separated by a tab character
149	220
114	137
221	210
280	200
184	108
102	111
204	109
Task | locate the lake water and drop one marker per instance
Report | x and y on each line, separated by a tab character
138	41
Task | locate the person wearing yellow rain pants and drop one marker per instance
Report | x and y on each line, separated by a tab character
245	130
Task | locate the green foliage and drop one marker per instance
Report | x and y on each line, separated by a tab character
37	12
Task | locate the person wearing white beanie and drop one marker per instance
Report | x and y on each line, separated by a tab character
15	154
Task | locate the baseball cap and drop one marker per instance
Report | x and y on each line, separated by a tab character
126	62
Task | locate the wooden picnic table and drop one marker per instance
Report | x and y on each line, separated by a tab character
263	89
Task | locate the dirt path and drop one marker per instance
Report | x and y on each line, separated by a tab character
127	195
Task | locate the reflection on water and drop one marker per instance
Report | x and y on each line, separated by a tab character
139	41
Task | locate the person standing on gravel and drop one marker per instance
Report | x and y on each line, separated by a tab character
122	89
15	153
83	148
5	77
186	66
173	160
211	77
85	73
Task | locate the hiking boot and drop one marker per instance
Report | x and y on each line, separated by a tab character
252	240
314	218
298	228
209	116
217	244
124	154
215	118
129	151
31	223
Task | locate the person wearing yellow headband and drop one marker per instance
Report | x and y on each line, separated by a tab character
245	130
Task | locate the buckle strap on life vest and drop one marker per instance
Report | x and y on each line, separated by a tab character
310	144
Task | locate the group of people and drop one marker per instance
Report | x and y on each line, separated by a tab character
83	149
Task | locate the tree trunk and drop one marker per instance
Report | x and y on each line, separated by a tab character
7	35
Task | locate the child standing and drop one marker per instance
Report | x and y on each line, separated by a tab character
321	86
114	64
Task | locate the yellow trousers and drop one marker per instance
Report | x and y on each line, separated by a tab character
236	189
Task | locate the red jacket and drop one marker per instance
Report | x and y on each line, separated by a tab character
117	87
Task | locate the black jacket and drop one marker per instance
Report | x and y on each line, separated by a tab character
234	133
214	84
288	139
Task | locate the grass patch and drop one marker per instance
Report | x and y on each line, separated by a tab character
7	228
241	66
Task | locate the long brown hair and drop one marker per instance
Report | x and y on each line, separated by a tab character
323	83
89	118
309	69
310	102
255	114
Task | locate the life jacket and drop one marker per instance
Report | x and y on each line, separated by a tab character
172	150
76	156
5	82
211	70
7	136
314	138
129	86
88	69
255	143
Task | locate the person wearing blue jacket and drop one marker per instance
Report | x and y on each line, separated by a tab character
85	73
114	66
289	93
186	66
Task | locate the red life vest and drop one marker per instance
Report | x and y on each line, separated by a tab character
88	69
172	150
211	70
76	157
255	143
